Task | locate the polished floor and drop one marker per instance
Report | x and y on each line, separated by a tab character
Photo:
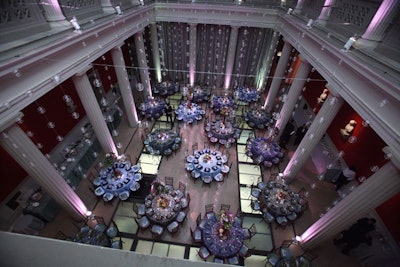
234	191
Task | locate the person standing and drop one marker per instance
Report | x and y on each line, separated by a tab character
168	114
287	133
345	177
300	132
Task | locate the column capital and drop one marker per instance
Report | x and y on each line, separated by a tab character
8	121
118	46
83	70
303	59
391	156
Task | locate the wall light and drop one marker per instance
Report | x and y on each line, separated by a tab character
289	11
349	44
75	24
118	9
141	2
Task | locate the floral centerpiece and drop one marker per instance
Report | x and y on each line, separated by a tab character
157	188
206	158
280	194
110	159
162	202
226	219
225	110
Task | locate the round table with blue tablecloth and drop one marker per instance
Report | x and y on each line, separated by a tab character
189	112
223	105
166	88
118	180
258	118
263	150
152	108
162	142
222	131
246	94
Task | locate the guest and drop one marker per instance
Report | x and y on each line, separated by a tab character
345	177
300	132
168	112
287	133
357	234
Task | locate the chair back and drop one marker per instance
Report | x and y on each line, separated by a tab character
209	208
225	207
169	181
182	187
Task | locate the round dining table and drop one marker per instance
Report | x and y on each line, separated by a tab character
225	245
92	236
189	112
221	131
117	180
263	151
246	94
200	95
166	88
152	108
207	165
258	118
223	105
162	142
163	206
279	200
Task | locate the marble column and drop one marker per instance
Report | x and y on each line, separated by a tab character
377	189
143	68
230	57
93	111
293	95
192	53
313	135
53	14
278	76
155	49
124	85
325	12
380	22
270	56
31	159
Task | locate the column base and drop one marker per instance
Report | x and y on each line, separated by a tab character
365	44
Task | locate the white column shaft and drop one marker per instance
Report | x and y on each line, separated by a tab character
230	58
155	49
143	68
192	53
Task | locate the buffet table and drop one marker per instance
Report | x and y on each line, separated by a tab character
162	142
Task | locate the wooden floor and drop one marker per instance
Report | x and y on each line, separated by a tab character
231	192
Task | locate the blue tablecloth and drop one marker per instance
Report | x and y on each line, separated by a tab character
112	181
162	142
166	88
262	150
207	163
279	200
246	94
223	105
258	118
152	108
189	112
92	237
200	95
222	131
226	247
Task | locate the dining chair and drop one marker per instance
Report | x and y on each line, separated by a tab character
303	193
248	233
156	231
282	221
181	216
140	209
245	251
185	201
173	227
182	188
209	208
267	217
112	230
204	253
117	243
218	260
196	235
225	207
60	235
272	258
143	223
169	181
200	222
233	260
195	146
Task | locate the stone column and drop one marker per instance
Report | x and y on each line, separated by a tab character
230	57
380	22
377	189
31	159
314	134
325	12
155	49
124	85
192	53
299	6
53	14
270	56
93	111
278	76
293	95
143	68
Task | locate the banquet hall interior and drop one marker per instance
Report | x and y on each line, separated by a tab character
282	133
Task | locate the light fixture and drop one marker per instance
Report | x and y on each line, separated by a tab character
349	44
141	2
289	11
310	24
75	24
279	54
89	214
118	9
